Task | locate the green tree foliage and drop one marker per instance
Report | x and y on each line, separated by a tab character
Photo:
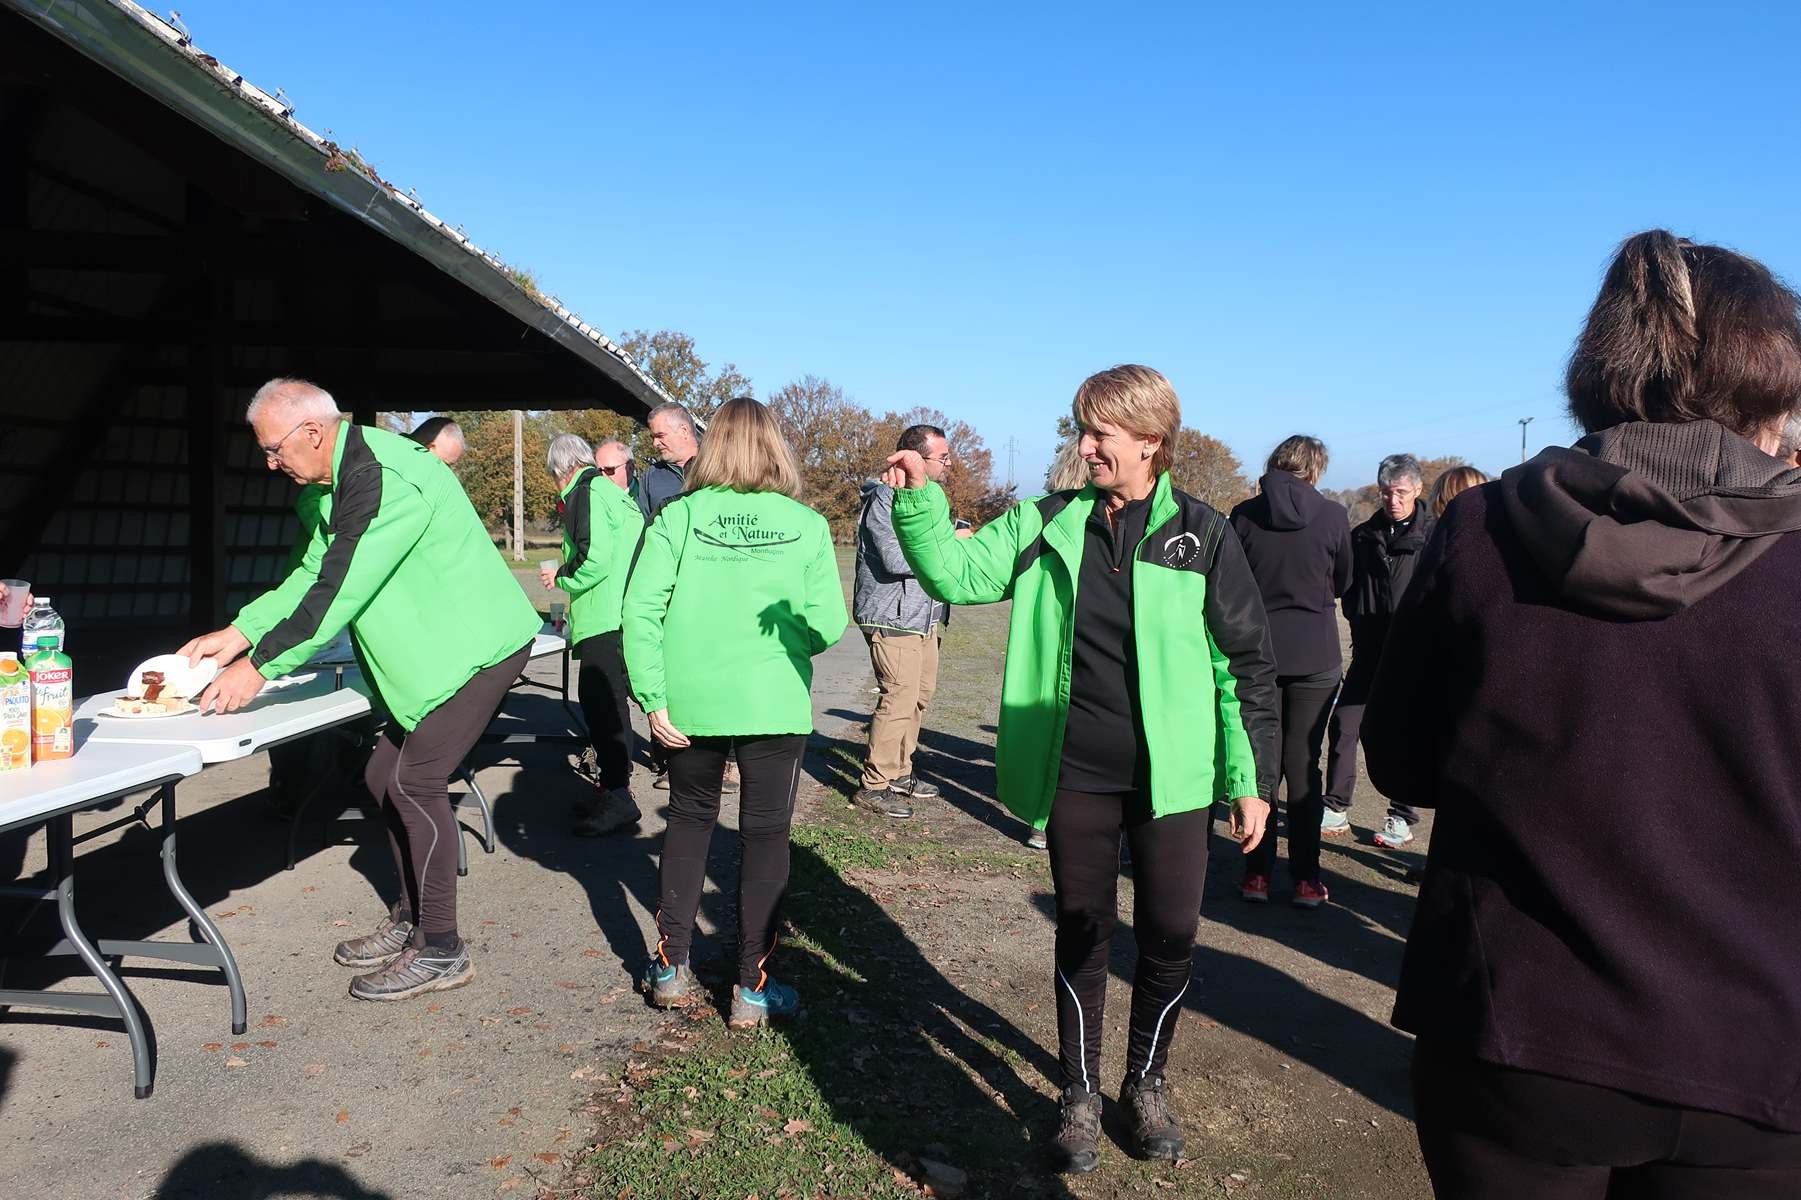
486	469
669	357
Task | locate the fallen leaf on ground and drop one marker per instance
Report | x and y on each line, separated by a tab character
798	1125
513	1112
343	1116
552	1159
506	1123
235	1061
314	1069
308	889
240	1046
500	1162
233	913
521	1011
569	985
434	1006
565	1048
591	954
271	1021
267	1045
694	1136
340	924
102	1045
213	1047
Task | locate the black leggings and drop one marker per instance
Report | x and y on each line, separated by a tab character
602	690
1305	710
1343	729
1169	867
1494	1133
406	774
769	770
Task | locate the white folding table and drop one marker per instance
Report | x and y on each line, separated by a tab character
50	794
287	709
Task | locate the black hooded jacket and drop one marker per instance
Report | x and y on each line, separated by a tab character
1299	547
1595	682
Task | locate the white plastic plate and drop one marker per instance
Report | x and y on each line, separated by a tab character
178	676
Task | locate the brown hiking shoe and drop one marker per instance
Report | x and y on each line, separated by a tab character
1155	1133
1078	1141
375	949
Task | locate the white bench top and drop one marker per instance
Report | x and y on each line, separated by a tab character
99	771
304	706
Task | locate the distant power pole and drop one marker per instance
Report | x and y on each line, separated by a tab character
1524	421
518	485
1012	453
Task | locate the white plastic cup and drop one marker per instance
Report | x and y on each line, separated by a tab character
12	606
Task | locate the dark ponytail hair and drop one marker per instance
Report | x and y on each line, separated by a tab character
1686	332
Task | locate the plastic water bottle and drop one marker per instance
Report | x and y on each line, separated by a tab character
41	622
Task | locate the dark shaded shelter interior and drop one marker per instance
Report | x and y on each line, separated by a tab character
151	276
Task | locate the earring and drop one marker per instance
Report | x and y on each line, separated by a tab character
1144	454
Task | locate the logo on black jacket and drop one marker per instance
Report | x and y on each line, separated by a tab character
1181	550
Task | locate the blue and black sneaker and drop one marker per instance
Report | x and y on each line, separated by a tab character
668	986
751	1008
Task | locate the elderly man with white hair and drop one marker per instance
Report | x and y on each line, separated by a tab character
398	557
602	527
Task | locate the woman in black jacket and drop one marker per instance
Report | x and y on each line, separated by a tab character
1299	547
1593	681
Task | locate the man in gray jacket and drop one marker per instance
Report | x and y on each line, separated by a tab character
903	626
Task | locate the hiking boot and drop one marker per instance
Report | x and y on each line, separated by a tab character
1077	1145
616	811
1310	893
375	949
1036	840
415	972
1394	833
728	783
1155	1133
883	802
914	786
668	986
752	1008
1255	889
1334	824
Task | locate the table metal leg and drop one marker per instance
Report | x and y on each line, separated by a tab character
226	963
117	1002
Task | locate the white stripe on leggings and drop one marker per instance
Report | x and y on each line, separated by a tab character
1158	1031
1081	1029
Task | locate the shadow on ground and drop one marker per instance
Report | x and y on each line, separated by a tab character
226	1171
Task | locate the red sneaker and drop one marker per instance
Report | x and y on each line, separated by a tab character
1255	889
1310	894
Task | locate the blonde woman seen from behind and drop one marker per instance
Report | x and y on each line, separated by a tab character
735	591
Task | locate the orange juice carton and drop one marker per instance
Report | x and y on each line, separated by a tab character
52	702
15	714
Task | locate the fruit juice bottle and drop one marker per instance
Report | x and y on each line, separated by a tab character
15	714
52	702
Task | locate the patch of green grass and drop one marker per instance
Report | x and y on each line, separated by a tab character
848	848
738	1115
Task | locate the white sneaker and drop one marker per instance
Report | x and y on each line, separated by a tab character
1394	833
1331	823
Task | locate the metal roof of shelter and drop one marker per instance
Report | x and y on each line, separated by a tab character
170	237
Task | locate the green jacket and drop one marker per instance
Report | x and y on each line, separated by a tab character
601	530
399	557
732	596
1206	672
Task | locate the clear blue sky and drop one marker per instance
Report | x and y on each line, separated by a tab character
1379	224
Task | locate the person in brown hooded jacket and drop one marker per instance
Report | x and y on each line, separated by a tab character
1592	681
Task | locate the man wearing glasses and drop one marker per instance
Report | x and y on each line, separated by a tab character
399	557
904	627
613	459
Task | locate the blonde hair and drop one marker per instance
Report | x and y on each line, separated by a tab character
1452	484
1137	399
745	451
1299	455
1069	470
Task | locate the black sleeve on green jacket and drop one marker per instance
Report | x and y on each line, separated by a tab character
1240	629
578	516
354	508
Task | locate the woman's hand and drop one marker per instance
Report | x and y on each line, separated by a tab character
667	734
547	574
1250	818
906	469
222	645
